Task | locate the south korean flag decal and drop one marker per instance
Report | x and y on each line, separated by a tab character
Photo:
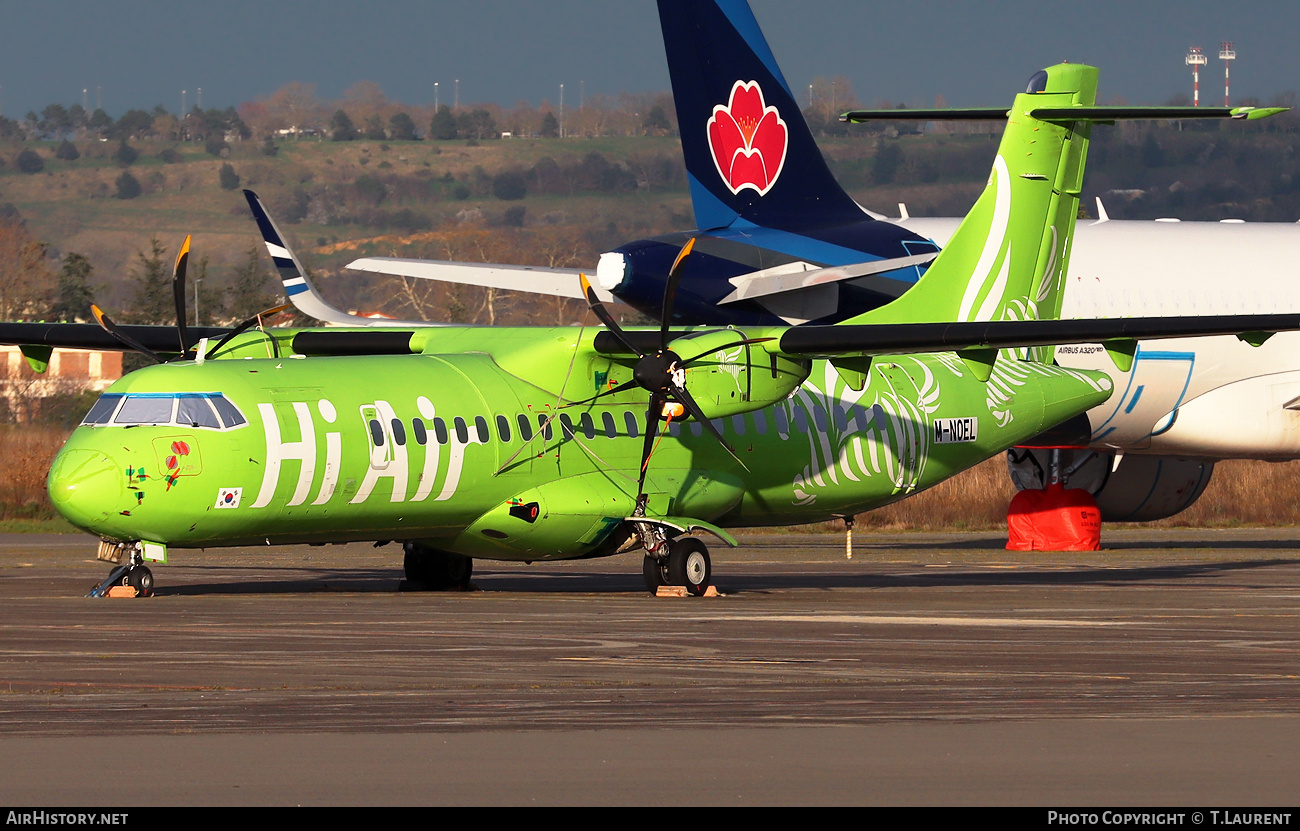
229	497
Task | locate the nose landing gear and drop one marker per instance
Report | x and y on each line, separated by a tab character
132	574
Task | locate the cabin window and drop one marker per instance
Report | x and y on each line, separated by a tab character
503	428
525	427
697	429
440	430
587	426
544	426
462	430
376	432
800	420
760	422
399	432
738	424
782	421
480	425
674	428
421	433
611	429
633	427
819	418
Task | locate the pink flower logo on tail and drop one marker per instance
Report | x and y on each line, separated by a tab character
748	140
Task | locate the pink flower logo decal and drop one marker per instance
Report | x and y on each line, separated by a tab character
748	140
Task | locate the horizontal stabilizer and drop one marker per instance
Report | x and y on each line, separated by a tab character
1063	114
792	277
558	282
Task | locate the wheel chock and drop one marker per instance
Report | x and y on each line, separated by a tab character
122	591
680	591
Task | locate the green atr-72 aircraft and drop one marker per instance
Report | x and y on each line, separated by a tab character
554	443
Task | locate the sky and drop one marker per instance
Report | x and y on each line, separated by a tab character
140	53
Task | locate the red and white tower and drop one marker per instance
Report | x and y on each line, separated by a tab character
1226	54
1196	59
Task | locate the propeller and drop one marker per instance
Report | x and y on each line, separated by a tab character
182	331
662	372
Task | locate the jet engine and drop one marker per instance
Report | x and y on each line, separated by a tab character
1127	488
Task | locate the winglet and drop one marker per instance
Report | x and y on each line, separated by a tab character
297	287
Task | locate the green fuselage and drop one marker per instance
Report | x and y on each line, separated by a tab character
462	446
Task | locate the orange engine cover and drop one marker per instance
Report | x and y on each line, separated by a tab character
1053	519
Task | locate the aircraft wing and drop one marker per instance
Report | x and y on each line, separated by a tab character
559	282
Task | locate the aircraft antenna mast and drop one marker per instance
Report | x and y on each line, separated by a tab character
1226	54
1196	59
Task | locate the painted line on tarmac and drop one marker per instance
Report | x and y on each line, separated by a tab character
912	620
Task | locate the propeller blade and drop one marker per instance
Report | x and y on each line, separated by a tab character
243	327
626	385
111	327
178	292
605	317
670	291
651	428
684	397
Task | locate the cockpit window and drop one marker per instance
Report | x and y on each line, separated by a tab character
102	410
1037	82
230	415
145	409
211	410
195	411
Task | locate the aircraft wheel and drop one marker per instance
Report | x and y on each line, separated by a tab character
688	565
436	570
654	573
141	579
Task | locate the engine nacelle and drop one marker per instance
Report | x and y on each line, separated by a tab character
1139	489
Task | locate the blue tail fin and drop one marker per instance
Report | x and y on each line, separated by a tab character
749	152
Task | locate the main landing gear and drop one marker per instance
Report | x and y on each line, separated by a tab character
432	570
132	574
685	563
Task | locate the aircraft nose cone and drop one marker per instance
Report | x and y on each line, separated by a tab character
85	485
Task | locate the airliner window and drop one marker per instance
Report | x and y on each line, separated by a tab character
146	409
588	427
629	419
760	422
480	424
611	429
819	417
782	421
102	410
567	424
738	424
1037	82
440	430
194	411
544	425
376	433
230	414
525	427
697	429
399	433
800	420
503	428
421	434
462	431
674	428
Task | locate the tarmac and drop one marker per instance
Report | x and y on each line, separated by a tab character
929	669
